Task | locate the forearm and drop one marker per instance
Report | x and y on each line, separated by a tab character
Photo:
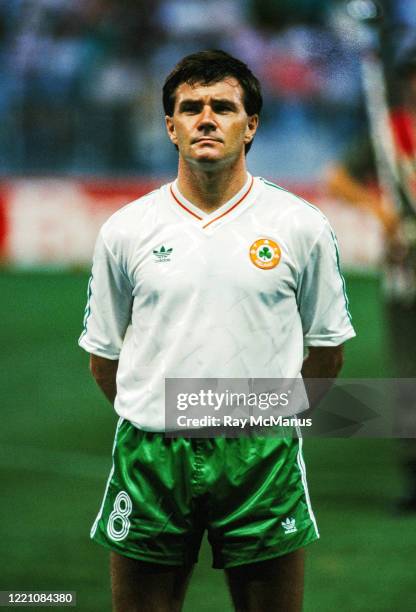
104	372
319	369
323	362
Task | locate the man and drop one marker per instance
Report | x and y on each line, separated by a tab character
217	274
354	180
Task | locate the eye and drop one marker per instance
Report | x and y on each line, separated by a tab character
223	107
190	109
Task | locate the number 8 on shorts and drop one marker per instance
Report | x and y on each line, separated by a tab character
118	522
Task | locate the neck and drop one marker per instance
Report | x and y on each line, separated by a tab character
208	189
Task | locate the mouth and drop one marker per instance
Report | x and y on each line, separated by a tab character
206	139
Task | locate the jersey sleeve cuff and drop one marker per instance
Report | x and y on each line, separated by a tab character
329	340
97	350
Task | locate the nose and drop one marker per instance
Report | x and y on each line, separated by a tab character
206	120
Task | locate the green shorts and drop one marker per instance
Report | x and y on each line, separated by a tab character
250	494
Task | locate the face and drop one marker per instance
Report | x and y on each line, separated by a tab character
209	123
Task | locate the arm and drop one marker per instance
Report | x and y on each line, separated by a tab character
320	367
326	320
323	362
107	316
104	372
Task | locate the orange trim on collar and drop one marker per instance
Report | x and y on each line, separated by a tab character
232	207
183	206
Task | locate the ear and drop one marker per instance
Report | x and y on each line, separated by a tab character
170	127
252	125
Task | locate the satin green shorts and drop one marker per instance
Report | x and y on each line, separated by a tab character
250	494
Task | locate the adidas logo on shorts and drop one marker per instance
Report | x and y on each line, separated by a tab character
289	525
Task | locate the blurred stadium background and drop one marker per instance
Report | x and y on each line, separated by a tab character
81	133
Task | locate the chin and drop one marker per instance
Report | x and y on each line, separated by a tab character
205	160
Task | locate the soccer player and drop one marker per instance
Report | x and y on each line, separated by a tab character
217	274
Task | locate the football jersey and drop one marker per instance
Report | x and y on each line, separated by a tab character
237	293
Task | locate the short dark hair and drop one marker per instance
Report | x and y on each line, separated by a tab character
209	67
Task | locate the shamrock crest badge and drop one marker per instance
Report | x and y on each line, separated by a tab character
265	253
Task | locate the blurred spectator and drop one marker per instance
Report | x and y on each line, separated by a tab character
75	74
354	179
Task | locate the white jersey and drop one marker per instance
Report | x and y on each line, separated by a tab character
237	293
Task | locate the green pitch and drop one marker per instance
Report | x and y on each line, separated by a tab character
55	444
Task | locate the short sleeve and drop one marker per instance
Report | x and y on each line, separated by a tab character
108	310
321	295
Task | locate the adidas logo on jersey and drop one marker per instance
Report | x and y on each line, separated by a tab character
162	254
289	525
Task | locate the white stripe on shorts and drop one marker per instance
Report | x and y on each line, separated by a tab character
94	527
302	467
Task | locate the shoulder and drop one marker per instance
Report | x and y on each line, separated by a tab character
123	231
133	212
127	223
294	210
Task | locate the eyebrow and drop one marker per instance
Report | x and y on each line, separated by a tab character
190	102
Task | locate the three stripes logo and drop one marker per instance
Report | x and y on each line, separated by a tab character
162	255
289	525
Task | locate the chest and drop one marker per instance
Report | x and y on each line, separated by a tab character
242	259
